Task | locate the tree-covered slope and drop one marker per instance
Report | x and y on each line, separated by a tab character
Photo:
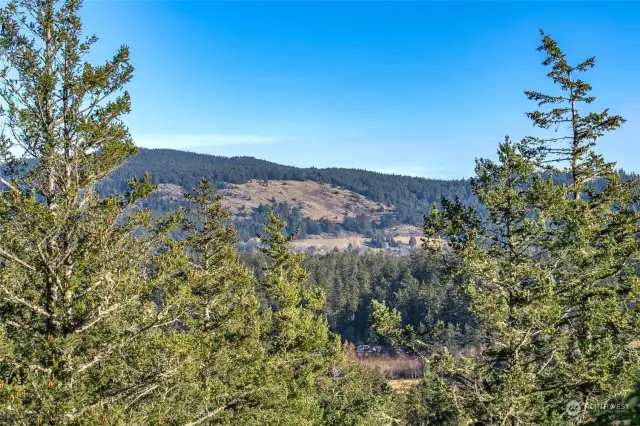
410	196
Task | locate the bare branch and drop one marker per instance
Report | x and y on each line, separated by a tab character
15	299
14	258
8	185
210	415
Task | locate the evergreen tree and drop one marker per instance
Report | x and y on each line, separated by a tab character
87	291
295	331
310	380
549	274
357	396
225	380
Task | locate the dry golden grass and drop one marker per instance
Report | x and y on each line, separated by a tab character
314	199
402	385
403	233
404	239
393	367
329	242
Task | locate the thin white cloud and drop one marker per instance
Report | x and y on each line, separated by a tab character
182	141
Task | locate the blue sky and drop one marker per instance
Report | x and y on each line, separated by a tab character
420	88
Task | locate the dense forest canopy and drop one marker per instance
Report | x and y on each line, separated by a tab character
521	307
410	196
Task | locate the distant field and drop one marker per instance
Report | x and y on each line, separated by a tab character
393	367
315	200
330	242
401	234
402	372
402	385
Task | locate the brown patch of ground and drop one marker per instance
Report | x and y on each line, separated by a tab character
403	233
314	199
330	241
403	385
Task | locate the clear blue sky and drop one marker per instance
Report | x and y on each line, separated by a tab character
420	88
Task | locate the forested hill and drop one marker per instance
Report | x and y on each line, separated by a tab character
409	196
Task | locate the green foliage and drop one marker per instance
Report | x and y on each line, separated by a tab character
106	318
432	402
311	382
356	396
295	332
549	273
410	196
87	293
221	328
287	295
351	281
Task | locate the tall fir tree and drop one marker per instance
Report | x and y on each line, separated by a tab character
222	378
87	292
295	332
550	275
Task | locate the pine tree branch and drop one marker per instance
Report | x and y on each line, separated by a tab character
8	185
14	258
149	383
108	349
16	92
210	415
142	394
15	299
33	367
79	296
103	314
207	416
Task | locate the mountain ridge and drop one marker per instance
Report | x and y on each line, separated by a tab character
249	186
410	196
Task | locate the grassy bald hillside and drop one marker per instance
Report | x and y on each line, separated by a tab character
337	205
330	207
409	196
